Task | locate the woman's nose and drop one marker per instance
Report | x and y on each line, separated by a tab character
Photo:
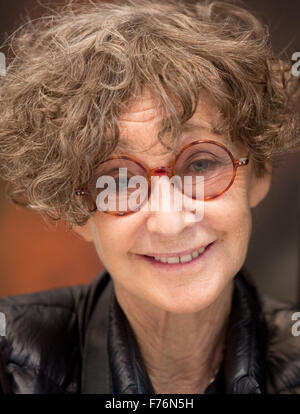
167	215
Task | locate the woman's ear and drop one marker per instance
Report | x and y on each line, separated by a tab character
84	232
260	186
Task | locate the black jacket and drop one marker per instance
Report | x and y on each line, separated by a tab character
78	340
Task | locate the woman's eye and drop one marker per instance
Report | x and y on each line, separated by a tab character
203	165
121	183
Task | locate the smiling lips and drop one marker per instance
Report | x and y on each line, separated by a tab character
179	259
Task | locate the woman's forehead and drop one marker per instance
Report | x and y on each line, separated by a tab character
139	125
146	107
143	138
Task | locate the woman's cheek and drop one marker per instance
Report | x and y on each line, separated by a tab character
230	219
112	239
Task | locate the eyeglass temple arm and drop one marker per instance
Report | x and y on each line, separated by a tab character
82	191
242	161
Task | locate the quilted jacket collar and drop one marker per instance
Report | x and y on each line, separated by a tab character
112	360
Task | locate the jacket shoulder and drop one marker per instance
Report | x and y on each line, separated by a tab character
282	346
43	336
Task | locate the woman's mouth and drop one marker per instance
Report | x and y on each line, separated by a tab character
178	262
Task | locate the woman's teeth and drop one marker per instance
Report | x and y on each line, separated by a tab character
180	259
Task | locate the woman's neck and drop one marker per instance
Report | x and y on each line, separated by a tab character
181	352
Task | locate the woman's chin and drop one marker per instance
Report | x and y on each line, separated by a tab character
186	301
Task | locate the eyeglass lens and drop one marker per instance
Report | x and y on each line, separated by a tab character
207	160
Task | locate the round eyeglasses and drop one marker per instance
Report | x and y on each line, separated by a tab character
208	159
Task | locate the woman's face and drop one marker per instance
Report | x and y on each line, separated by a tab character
123	242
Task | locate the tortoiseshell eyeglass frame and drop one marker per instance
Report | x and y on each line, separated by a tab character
170	172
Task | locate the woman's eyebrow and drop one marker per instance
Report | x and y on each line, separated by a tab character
125	145
189	126
200	124
196	124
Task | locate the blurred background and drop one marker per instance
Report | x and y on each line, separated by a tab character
35	257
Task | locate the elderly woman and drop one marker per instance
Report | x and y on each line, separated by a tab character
103	97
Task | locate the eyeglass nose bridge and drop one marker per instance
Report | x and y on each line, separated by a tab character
159	171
